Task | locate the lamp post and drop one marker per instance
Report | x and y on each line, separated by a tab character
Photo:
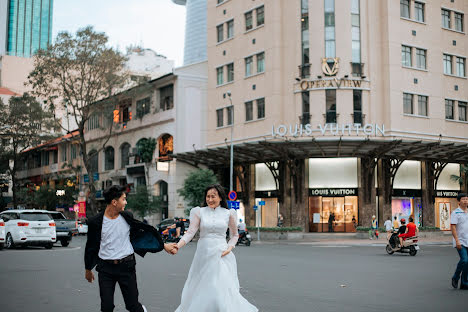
231	166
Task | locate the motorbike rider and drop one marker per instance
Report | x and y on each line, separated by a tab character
411	230
394	238
241	227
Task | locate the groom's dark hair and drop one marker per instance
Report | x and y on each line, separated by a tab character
221	195
113	192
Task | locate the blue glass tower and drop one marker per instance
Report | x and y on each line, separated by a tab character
29	26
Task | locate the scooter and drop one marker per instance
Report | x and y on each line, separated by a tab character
410	245
244	238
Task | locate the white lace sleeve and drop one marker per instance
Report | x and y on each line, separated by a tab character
194	225
233	228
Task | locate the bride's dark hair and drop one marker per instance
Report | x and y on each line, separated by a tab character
221	194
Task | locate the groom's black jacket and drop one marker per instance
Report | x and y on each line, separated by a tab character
144	238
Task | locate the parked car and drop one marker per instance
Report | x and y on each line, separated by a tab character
65	228
2	234
82	228
29	227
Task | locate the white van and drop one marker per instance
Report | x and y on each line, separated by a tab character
28	227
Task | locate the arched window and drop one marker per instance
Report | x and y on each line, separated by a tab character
109	158
161	189
139	145
124	155
93	161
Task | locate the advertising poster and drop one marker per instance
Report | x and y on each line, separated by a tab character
444	216
82	209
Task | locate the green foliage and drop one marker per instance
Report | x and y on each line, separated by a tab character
459	179
275	229
142	203
194	186
146	149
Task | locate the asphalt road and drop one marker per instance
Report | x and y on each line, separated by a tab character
274	277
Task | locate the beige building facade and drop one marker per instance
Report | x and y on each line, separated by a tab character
356	98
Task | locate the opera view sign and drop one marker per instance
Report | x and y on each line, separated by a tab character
330	68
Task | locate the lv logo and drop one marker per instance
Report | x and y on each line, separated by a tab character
326	66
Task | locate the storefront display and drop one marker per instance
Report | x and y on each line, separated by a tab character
443	208
333	214
404	207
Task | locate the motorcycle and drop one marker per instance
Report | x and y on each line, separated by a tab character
244	238
410	245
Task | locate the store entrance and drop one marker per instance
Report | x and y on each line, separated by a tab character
333	214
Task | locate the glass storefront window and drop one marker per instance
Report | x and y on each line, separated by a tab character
404	207
333	214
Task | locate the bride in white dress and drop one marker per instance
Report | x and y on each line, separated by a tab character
212	284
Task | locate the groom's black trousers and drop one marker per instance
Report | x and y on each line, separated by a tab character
122	272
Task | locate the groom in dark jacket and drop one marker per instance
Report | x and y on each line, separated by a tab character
114	237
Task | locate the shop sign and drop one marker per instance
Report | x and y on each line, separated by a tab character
406	193
333	192
331	83
447	193
334	129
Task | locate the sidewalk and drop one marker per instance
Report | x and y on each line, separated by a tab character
348	239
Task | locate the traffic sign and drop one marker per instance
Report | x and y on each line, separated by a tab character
232	195
261	203
255	207
233	204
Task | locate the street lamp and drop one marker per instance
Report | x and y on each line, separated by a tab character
231	167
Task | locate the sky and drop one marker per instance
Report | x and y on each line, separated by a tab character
154	24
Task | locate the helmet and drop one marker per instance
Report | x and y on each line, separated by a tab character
403	221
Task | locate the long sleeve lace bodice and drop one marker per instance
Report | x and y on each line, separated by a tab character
212	223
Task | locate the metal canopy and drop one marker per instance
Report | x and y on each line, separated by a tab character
266	151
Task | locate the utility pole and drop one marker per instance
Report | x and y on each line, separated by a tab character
231	167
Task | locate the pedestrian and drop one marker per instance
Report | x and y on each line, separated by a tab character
373	232
354	222
331	221
388	227
459	226
212	283
280	220
113	238
396	224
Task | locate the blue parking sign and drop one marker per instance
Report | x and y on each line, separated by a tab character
261	203
255	207
233	204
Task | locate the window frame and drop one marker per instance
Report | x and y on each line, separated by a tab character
248	66
462	116
220	117
260	61
446	19
219	75
248	110
405	4
423	99
230	72
230	115
261	112
461	73
448	64
408	99
248	20
220	33
422	9
259	17
405	54
421	56
460	19
451	104
230	29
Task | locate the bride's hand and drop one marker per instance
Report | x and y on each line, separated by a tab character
226	251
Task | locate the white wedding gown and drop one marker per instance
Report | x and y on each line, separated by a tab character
212	284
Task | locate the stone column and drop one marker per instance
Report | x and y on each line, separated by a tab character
284	198
385	191
249	198
299	194
366	192
427	188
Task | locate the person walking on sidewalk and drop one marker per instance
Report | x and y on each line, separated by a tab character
396	224
459	226
388	227
374	229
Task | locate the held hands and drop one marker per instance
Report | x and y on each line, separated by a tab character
171	248
226	251
89	275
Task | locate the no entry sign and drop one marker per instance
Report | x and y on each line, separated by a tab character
232	195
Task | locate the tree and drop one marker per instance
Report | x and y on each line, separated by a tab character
463	177
142	204
79	75
145	149
194	186
24	124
